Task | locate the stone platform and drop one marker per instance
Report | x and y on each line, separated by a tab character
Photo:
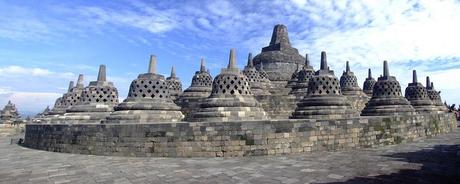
229	139
433	160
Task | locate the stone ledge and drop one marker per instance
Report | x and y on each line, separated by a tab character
229	139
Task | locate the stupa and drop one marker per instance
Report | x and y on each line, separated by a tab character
279	58
59	108
9	114
417	95
349	88
303	78
435	96
148	100
324	99
96	102
199	90
369	83
258	84
387	99
174	83
231	98
72	97
293	81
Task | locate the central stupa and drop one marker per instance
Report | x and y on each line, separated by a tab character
279	58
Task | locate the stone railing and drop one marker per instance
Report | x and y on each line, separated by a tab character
217	139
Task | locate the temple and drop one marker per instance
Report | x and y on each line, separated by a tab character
9	114
277	104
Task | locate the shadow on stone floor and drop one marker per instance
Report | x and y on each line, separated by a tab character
441	164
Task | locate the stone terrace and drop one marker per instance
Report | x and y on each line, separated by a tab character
433	160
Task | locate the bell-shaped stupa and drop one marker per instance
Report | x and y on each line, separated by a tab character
349	88
199	90
324	99
369	83
59	107
96	101
417	95
231	98
303	78
148	100
73	96
293	81
387	99
175	85
435	96
279	58
258	84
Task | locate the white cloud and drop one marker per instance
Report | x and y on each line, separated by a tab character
14	71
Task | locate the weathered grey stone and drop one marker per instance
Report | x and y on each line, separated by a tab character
324	99
259	85
417	95
148	101
231	98
95	104
386	98
349	88
369	83
303	77
279	58
199	90
175	85
435	96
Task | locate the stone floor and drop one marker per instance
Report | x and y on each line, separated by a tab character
435	160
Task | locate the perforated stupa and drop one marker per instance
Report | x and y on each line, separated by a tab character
258	84
387	99
324	99
148	101
369	83
231	98
435	96
417	95
96	101
174	83
303	77
199	90
349	88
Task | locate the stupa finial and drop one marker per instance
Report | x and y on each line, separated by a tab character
414	76
80	79
101	77
386	72
348	67
232	59
153	64
280	35
369	73
70	86
428	83
202	67
307	61
250	63
324	61
432	85
173	72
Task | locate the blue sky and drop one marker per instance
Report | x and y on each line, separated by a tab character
45	44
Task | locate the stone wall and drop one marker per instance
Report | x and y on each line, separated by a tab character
212	139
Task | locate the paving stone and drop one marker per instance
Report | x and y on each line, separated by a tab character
433	160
